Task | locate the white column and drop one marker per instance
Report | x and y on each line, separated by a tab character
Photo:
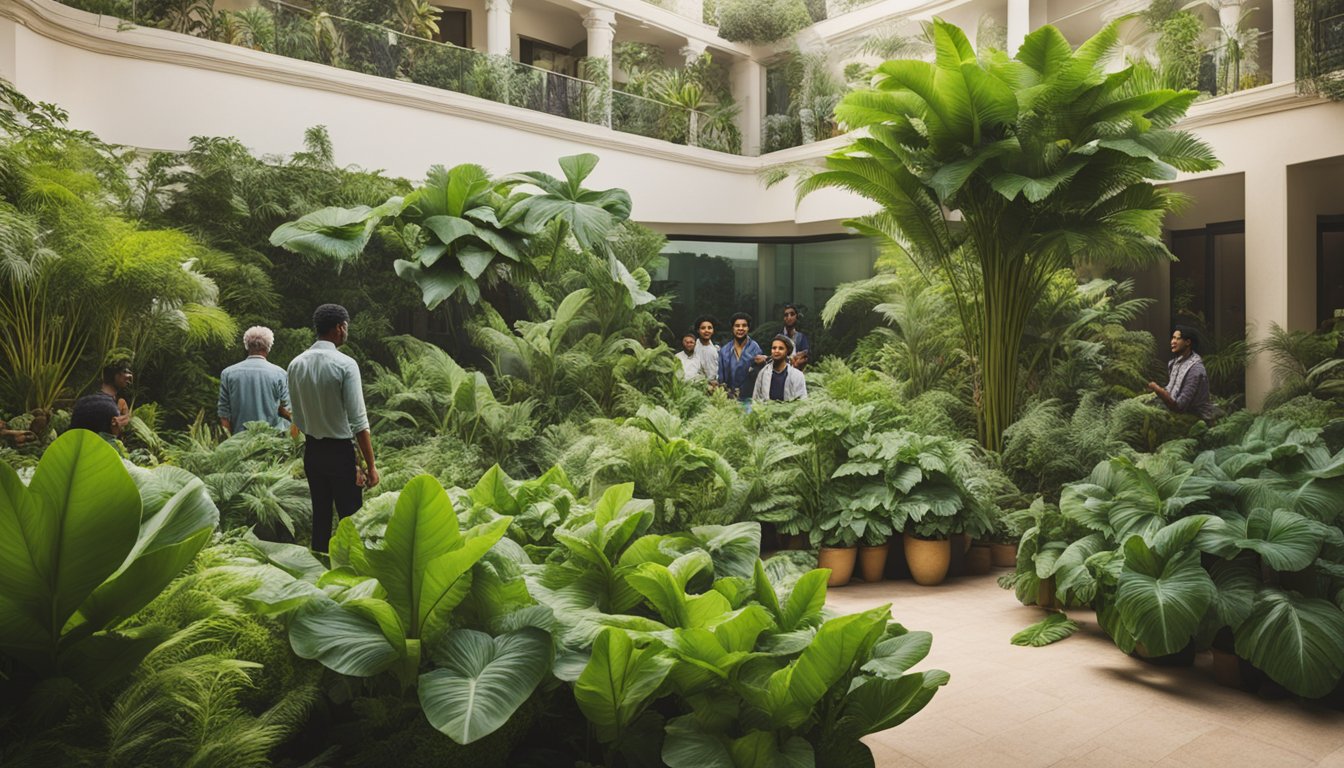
748	84
692	50
499	27
1266	274
1019	24
1284	26
601	26
9	57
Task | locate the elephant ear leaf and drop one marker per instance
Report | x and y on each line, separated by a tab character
1287	540
619	682
333	233
60	538
1162	601
1297	641
483	680
1051	629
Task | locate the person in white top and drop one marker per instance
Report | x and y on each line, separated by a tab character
692	367
781	381
706	349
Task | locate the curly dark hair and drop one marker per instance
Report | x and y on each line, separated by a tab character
329	316
740	316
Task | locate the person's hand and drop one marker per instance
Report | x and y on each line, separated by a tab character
121	421
25	436
1153	387
372	478
760	359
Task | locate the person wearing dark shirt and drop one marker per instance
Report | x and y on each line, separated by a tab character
103	411
739	358
801	348
1187	389
783	381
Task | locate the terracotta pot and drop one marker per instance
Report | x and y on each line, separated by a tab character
841	562
928	559
872	561
978	560
1003	555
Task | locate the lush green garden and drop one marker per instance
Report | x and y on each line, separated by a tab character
562	564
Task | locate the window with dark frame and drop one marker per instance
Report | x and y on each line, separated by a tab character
454	26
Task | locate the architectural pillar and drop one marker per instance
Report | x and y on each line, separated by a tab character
1019	23
748	84
9	57
601	26
499	27
1266	278
1283	67
692	50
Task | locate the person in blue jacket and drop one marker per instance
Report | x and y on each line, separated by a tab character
739	358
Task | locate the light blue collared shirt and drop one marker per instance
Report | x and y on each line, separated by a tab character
328	394
253	390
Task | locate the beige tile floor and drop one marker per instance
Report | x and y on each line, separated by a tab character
1080	702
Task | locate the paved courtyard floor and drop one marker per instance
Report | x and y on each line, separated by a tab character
1079	702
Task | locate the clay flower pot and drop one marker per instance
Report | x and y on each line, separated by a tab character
979	560
928	559
873	561
1003	555
841	562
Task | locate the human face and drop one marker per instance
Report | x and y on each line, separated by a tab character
790	317
688	344
706	331
740	328
123	380
343	333
1179	344
778	351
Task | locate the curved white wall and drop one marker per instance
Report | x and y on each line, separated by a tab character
153	89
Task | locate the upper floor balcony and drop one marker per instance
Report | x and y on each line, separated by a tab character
664	70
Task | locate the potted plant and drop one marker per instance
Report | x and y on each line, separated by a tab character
1003	544
873	554
928	550
837	536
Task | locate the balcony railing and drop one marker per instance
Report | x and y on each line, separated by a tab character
279	27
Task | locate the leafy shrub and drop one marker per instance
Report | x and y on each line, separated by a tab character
761	21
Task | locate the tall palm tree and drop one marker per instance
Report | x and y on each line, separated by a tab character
999	172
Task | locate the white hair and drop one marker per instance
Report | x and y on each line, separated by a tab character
258	339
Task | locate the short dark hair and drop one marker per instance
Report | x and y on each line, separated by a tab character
1190	333
329	316
794	307
704	319
689	335
741	316
114	367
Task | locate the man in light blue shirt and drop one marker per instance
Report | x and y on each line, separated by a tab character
329	410
254	390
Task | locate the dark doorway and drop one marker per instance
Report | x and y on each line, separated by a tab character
1208	290
1329	269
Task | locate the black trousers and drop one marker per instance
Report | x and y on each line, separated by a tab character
329	464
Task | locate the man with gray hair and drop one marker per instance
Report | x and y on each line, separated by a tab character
254	389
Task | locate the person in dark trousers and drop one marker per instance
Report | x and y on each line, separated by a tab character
1187	389
328	399
739	358
105	411
801	347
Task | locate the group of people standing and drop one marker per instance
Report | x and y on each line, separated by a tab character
740	365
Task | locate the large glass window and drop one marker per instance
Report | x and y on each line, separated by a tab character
720	278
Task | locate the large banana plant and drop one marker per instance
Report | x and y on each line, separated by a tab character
998	172
83	547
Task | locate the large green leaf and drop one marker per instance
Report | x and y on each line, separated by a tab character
879	703
60	538
619	682
335	233
1162	602
794	691
805	601
447	578
169	540
342	639
483	681
1287	540
423	528
1297	641
1051	629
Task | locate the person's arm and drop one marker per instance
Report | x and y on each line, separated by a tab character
283	411
365	443
224	408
